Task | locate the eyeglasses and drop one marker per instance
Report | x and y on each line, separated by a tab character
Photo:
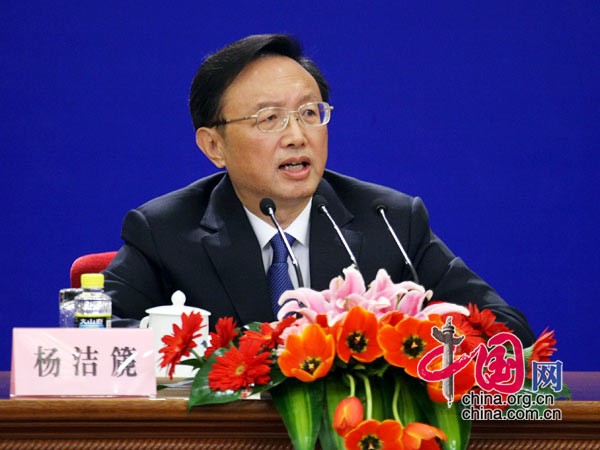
275	118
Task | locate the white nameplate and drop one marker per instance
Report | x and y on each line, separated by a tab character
83	362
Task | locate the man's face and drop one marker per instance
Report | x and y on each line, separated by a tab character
285	165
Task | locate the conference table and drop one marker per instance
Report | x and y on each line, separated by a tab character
164	422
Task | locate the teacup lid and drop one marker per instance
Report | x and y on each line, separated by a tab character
177	308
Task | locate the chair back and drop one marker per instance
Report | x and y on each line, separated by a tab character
91	263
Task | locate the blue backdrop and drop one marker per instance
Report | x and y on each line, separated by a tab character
490	111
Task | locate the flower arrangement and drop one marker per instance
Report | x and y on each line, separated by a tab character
352	358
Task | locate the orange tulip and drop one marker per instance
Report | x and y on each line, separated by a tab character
348	414
419	435
308	356
407	342
372	434
357	337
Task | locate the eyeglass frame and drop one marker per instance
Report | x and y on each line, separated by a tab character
254	116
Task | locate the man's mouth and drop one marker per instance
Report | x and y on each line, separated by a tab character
294	167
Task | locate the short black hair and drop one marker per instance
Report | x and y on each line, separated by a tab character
219	70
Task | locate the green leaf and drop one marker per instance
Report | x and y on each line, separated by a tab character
254	326
194	362
335	391
411	397
381	398
301	408
449	420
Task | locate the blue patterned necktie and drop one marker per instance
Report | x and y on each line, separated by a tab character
278	275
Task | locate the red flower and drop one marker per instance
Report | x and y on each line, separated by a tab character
357	337
477	328
268	336
348	414
225	334
485	322
241	368
543	348
181	341
464	328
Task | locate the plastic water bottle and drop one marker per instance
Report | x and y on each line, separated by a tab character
93	308
66	306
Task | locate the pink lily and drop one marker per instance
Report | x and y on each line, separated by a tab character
351	283
305	301
382	297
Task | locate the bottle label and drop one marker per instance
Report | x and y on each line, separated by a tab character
92	321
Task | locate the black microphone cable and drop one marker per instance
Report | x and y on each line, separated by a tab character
321	205
380	208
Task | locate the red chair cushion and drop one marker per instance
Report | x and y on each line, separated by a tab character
92	263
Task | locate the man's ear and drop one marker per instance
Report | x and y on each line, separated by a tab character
211	144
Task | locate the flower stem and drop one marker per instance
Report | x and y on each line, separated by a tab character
395	400
352	385
368	396
195	354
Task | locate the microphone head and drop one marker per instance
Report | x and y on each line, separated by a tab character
320	203
378	204
267	206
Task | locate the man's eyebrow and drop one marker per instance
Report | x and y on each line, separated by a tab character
304	99
262	105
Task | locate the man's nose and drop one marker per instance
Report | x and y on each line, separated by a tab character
294	116
295	130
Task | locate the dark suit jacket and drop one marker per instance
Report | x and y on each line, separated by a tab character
199	240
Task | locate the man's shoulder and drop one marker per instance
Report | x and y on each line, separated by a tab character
358	192
192	196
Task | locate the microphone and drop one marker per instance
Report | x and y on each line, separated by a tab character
380	208
321	205
267	207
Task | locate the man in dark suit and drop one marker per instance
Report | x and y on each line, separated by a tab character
260	112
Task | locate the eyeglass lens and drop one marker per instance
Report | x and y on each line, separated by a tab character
275	118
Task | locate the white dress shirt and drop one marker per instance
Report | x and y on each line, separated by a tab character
298	229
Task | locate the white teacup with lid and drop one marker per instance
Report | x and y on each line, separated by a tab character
161	320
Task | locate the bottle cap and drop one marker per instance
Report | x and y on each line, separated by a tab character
92	280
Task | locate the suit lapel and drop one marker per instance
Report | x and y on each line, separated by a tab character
328	256
235	254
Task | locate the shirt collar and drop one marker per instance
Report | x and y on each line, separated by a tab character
298	229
